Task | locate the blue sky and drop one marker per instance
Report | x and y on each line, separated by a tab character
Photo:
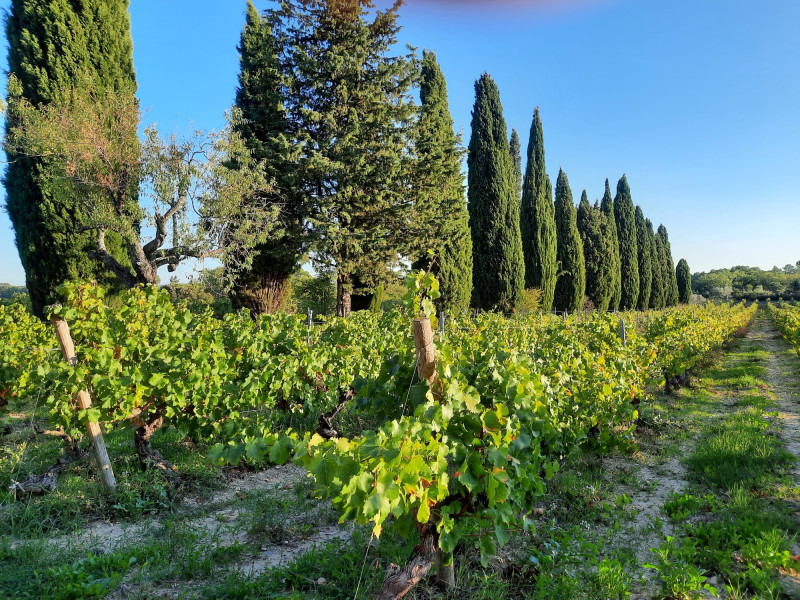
698	102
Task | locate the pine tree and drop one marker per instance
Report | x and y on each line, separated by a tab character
684	279
515	147
607	206
264	286
571	284
348	112
670	279
52	44
498	268
440	191
537	219
657	260
597	253
644	259
626	233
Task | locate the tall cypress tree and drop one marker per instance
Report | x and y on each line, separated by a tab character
657	260
537	219
498	268
607	206
263	288
52	44
571	284
597	253
644	258
626	232
515	147
670	279
440	190
684	279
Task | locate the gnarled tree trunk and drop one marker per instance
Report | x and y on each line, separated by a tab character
149	457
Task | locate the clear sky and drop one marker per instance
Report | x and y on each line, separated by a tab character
698	102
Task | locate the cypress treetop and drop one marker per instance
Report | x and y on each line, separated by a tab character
607	206
498	268
440	190
597	253
626	233
516	157
263	288
537	218
670	279
657	260
571	284
644	257
684	280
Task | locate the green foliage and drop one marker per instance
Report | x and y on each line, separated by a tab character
657	284
628	248
498	267
537	219
515	148
669	276
443	220
684	280
571	284
743	282
598	253
51	45
644	258
607	207
263	287
352	173
317	292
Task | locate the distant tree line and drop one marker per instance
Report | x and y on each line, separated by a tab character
749	283
341	165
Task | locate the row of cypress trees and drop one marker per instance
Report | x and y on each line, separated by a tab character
607	253
356	192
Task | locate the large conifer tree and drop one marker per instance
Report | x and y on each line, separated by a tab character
349	115
537	219
626	233
684	280
670	279
52	44
263	288
440	190
498	269
657	260
597	253
607	207
644	257
571	284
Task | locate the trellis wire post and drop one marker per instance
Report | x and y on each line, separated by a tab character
310	322
622	333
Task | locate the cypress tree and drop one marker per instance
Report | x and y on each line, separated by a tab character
626	233
644	258
597	253
440	190
571	284
684	279
264	287
515	147
607	206
51	44
537	219
670	279
657	260
498	268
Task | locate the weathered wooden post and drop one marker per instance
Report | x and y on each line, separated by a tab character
310	323
622	332
85	402
426	369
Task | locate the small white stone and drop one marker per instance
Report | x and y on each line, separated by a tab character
321	581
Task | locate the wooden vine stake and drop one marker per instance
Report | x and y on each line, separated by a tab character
426	368
84	402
